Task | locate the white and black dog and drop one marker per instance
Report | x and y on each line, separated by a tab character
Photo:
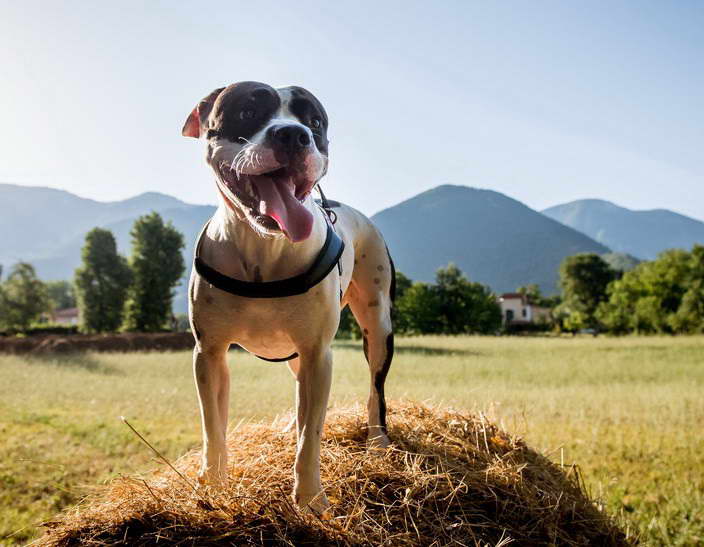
272	272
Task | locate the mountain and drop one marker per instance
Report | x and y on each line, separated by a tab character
642	234
188	219
493	238
47	227
35	221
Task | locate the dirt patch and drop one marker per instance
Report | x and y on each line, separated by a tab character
129	341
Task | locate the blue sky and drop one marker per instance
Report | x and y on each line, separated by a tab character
544	101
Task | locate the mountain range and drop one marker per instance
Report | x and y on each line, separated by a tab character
47	227
642	234
493	238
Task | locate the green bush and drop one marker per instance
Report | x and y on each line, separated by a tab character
664	296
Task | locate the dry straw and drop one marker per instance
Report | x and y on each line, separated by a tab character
449	479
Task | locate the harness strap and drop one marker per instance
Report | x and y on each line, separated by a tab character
332	219
327	259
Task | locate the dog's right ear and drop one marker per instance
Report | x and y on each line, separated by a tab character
195	120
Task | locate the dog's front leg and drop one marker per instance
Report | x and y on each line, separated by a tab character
312	390
213	384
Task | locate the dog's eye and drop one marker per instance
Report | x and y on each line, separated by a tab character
247	114
315	123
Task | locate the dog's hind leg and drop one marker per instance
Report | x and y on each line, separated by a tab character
370	298
213	385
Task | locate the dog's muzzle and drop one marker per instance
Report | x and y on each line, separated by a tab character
272	180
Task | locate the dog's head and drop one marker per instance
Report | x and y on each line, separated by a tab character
268	148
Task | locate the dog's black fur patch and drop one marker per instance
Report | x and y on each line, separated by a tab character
307	108
241	110
380	379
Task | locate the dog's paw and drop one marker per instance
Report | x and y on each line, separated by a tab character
209	476
316	504
377	440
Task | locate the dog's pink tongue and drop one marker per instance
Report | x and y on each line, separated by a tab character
278	201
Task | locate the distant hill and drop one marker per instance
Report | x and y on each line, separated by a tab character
35	221
642	234
188	220
493	238
47	227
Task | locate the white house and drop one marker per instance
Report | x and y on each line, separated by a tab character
516	309
65	316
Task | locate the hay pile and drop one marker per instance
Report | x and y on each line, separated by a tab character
449	479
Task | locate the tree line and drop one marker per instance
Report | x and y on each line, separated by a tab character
662	296
111	292
451	305
114	293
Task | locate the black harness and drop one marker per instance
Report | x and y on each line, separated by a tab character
328	257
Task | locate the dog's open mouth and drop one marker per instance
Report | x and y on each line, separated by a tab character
274	199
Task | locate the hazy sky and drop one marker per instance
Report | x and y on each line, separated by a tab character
544	101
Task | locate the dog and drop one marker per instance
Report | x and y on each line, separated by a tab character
268	149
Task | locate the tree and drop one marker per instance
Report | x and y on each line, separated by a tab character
400	318
348	325
535	296
665	295
465	307
453	305
61	294
23	298
403	283
101	283
417	311
621	262
584	279
690	314
157	266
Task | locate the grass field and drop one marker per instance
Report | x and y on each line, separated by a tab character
629	412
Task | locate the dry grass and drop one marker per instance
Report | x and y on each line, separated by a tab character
450	478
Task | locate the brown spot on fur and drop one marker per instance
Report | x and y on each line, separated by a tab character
366	331
380	268
377	280
373	303
364	256
257	275
208	299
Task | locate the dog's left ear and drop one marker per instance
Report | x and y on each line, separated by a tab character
195	120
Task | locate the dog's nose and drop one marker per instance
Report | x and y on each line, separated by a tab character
291	137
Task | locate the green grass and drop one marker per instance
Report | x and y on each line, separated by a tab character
629	412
